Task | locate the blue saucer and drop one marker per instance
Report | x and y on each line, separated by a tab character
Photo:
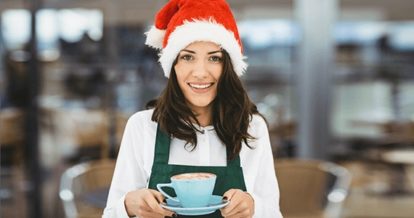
216	202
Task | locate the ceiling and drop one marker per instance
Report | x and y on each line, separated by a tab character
144	10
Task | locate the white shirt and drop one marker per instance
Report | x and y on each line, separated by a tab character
136	155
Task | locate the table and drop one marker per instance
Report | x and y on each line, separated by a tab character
399	159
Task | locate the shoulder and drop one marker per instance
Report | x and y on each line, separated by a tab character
257	122
142	120
140	128
257	126
142	116
139	138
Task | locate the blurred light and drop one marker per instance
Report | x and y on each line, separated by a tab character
66	195
264	33
74	23
69	24
337	196
5	194
359	32
402	36
47	30
15	26
49	55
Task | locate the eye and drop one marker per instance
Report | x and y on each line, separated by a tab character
187	57
215	59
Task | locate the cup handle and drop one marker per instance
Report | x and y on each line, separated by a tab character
159	187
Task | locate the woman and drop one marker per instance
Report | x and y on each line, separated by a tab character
203	121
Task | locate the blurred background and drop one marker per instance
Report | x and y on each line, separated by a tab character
334	79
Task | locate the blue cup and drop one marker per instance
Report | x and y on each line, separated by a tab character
192	189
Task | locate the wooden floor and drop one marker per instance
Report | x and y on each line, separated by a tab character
359	205
371	195
366	199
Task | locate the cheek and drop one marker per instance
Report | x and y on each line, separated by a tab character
181	77
182	86
216	72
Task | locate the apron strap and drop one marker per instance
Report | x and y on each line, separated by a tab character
162	147
162	150
235	162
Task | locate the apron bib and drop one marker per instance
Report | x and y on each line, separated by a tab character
228	177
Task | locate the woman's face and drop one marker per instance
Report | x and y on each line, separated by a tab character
198	69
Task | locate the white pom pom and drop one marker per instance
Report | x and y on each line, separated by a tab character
155	37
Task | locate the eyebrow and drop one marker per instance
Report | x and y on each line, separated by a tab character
212	52
193	52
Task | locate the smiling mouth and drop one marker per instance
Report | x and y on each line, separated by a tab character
200	86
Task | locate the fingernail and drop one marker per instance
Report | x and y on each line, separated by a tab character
224	198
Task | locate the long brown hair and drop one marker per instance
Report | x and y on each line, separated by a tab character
232	111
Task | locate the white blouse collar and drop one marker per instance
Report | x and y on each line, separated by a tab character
203	128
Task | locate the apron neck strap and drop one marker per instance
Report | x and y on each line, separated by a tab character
235	162
162	147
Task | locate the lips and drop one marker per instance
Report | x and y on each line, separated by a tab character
200	87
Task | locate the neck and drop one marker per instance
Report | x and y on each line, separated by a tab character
203	116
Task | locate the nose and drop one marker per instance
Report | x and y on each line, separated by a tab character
200	69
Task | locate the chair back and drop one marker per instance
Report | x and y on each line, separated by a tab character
311	188
84	188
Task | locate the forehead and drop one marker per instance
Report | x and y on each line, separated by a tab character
203	46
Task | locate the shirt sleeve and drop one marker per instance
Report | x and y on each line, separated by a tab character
265	190
129	174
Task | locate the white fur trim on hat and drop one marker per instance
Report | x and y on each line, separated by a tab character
202	30
155	37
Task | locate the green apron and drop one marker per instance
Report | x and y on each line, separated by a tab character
229	177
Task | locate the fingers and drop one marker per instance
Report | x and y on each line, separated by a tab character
157	195
145	203
241	204
154	203
229	194
244	214
233	202
149	214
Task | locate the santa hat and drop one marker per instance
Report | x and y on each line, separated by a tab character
181	22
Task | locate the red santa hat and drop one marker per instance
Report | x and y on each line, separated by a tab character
181	22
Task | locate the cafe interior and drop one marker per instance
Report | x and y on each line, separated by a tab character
333	78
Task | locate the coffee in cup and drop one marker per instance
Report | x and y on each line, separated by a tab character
192	189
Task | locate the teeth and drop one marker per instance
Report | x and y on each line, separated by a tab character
200	86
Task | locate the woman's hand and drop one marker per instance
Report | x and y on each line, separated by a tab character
241	204
145	203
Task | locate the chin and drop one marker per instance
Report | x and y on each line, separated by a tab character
199	104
